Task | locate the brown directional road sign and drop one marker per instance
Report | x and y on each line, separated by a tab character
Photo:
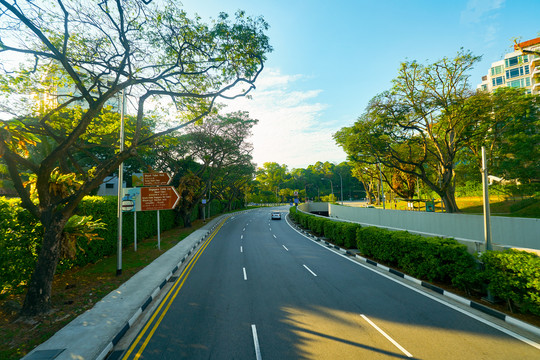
156	179
158	198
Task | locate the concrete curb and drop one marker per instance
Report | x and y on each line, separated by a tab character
89	335
486	310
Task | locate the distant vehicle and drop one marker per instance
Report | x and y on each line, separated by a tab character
276	215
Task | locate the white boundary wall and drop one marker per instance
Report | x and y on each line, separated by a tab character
469	229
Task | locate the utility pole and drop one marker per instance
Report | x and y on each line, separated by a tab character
487	222
382	187
341	191
120	187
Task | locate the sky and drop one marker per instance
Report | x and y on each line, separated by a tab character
331	57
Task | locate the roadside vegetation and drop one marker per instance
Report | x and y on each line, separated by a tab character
512	276
528	207
413	143
80	63
75	291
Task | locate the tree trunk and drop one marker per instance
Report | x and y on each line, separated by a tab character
449	201
38	297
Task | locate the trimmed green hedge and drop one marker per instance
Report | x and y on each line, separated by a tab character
431	258
21	234
515	277
340	233
511	275
18	246
105	208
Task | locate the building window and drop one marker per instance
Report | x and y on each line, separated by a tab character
109	186
514	72
516	60
496	70
497	81
519	83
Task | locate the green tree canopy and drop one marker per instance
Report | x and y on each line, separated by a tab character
418	126
89	54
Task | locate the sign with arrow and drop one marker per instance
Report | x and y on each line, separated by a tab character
151	179
149	198
159	198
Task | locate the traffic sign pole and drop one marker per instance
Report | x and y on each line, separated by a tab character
158	233
135	229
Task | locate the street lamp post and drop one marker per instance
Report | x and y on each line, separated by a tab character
305	191
120	186
487	220
331	186
341	191
382	186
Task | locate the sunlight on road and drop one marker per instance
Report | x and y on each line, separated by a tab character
320	332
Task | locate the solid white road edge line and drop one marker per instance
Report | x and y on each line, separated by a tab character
256	342
421	292
387	336
308	269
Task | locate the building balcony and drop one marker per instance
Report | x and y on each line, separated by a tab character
535	62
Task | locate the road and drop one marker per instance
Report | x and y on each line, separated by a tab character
257	289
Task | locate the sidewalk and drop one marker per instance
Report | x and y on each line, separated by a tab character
94	333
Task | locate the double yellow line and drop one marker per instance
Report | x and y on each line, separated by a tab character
166	303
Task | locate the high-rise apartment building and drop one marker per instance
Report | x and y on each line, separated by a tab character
519	69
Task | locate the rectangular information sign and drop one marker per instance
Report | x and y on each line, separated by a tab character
151	179
158	198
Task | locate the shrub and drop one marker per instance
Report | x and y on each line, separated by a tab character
344	234
21	235
19	247
434	259
349	235
337	236
514	276
318	225
368	241
330	229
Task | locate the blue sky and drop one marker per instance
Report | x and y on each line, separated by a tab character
331	57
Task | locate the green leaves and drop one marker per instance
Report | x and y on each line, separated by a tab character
515	276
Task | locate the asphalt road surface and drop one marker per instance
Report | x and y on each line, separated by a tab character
257	289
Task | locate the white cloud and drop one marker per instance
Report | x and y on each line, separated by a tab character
482	16
477	10
291	129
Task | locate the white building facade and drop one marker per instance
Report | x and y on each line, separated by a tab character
518	69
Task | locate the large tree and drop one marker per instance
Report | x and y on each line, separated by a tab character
420	125
204	152
88	53
508	126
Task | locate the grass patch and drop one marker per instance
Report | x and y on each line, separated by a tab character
499	206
